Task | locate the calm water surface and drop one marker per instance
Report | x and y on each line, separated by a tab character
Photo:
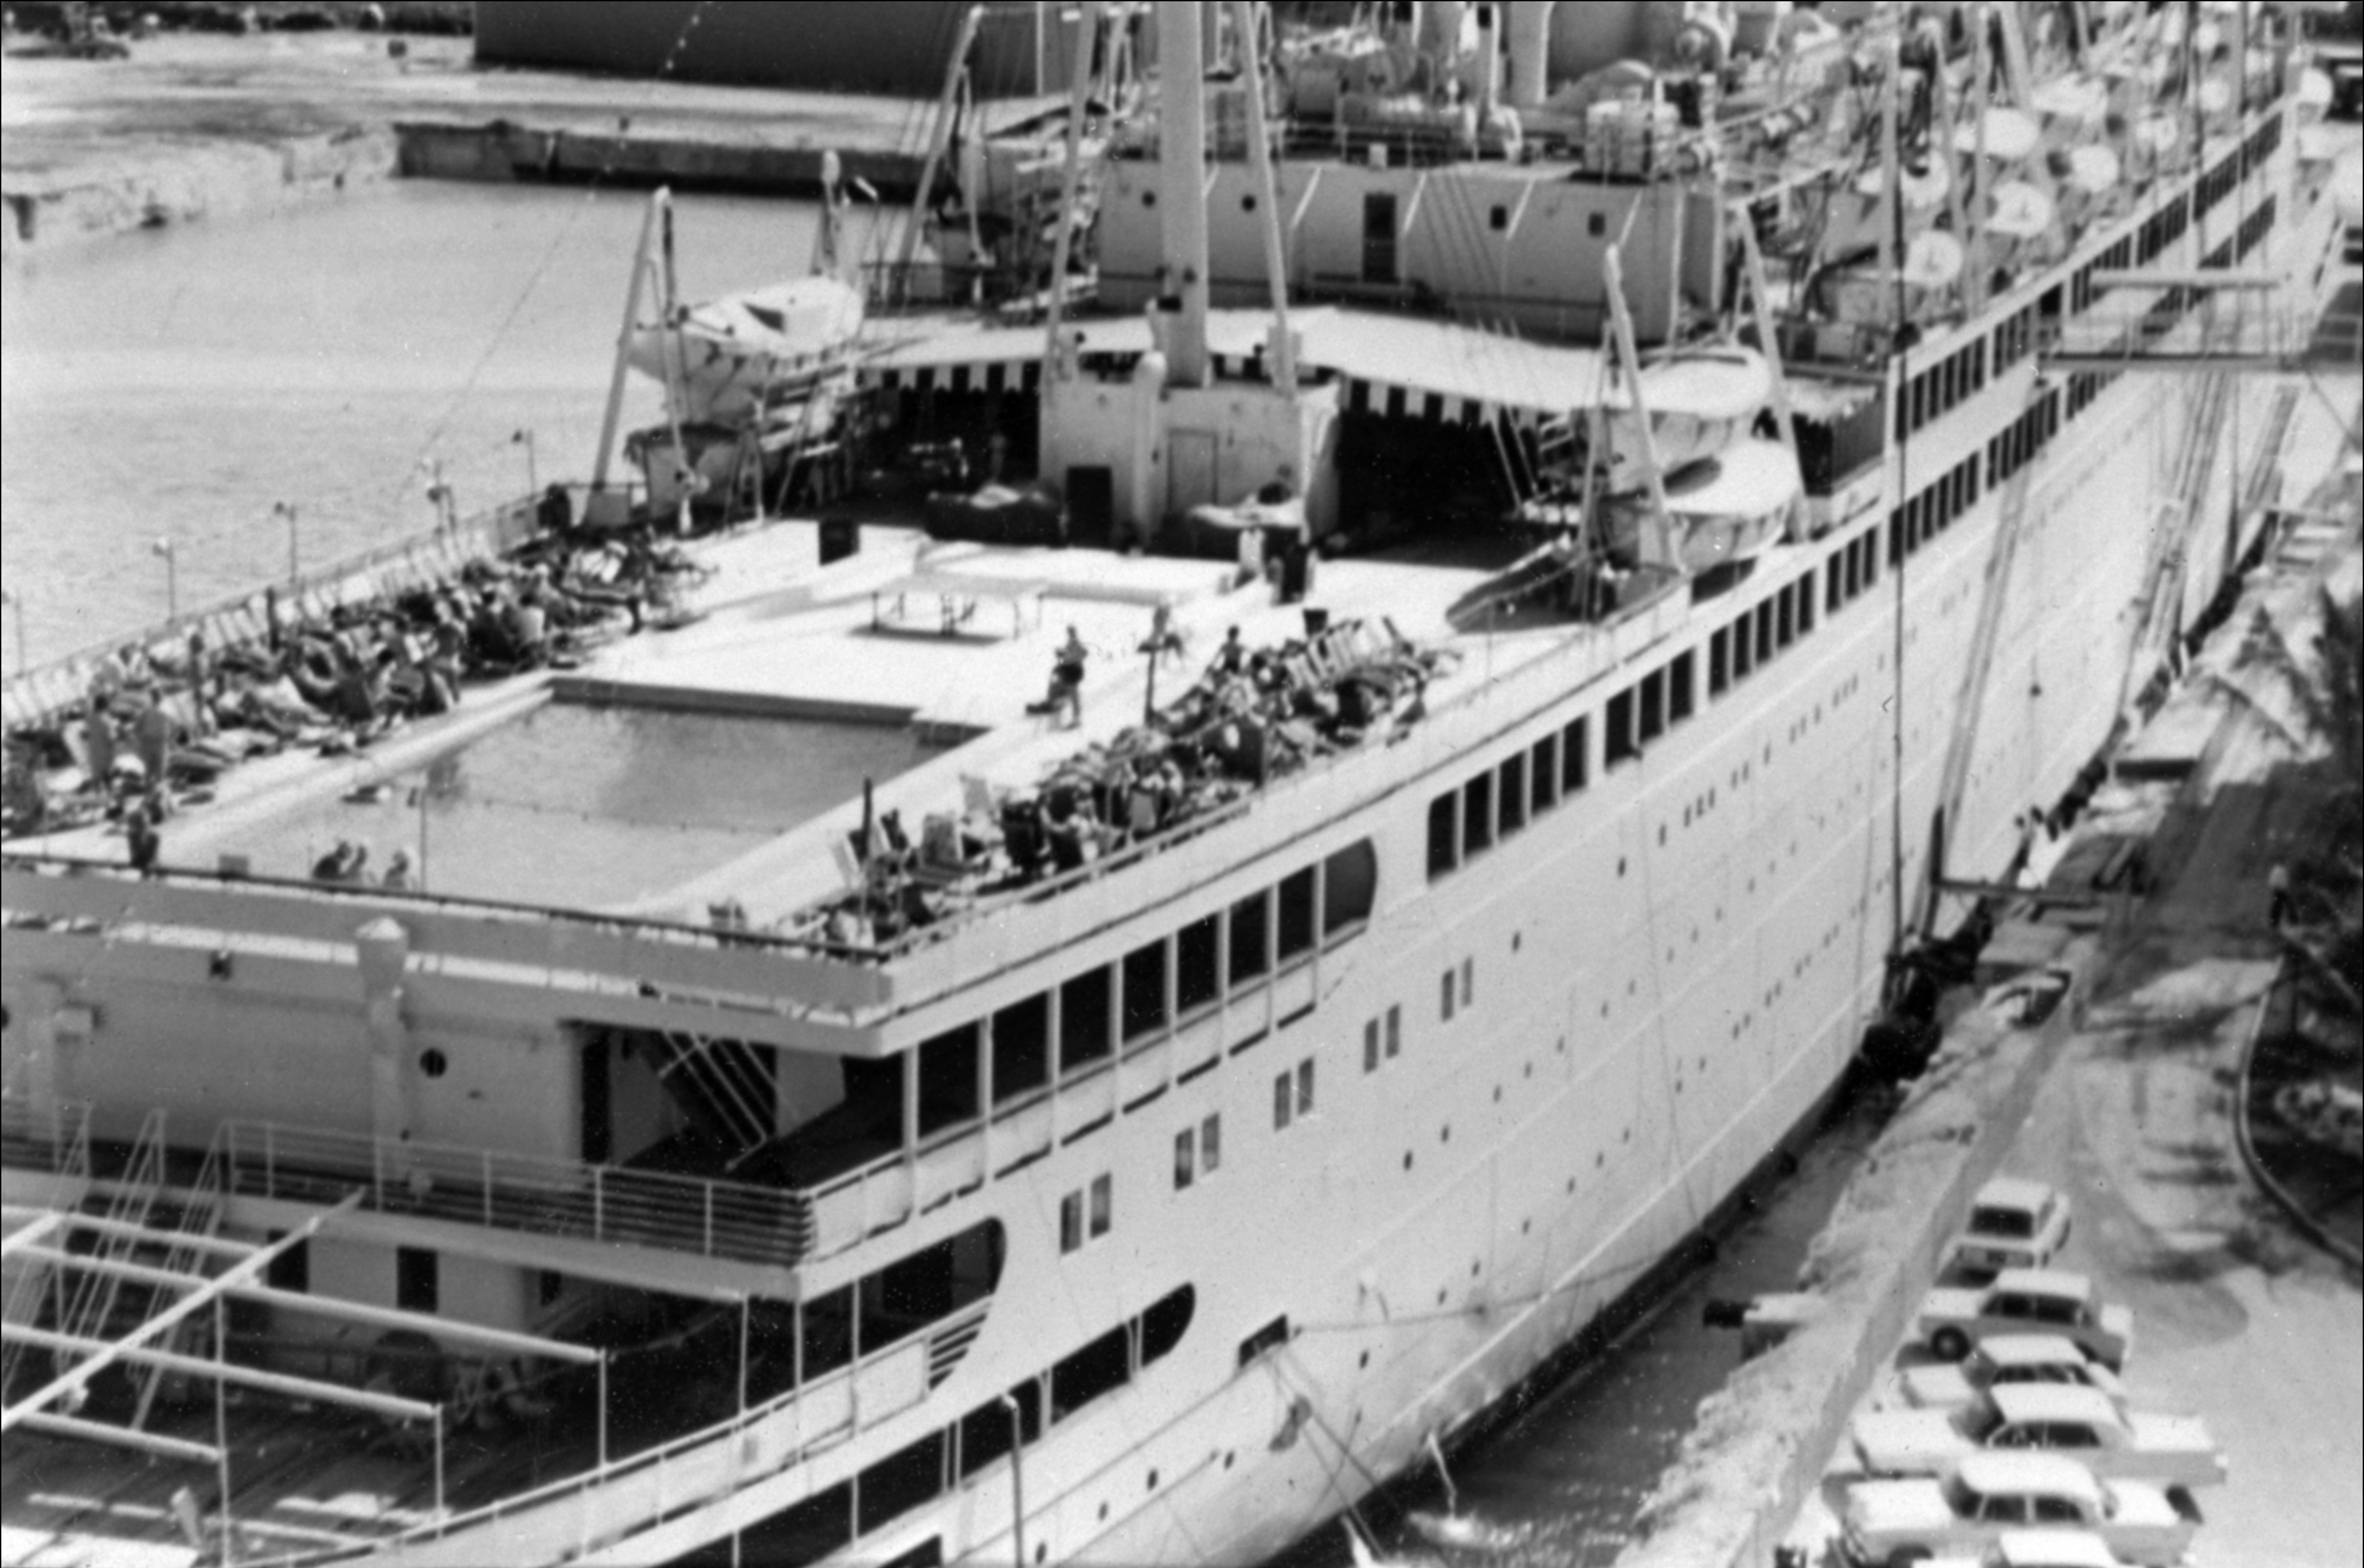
176	385
588	808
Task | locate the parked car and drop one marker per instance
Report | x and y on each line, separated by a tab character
2084	1424
2013	1224
2020	1301
2039	1549
1886	1524
2051	1548
2004	1359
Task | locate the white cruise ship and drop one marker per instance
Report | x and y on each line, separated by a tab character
1255	1061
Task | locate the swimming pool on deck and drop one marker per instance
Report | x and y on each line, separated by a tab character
577	805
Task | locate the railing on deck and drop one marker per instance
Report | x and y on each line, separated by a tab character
56	1139
31	696
616	1500
514	1192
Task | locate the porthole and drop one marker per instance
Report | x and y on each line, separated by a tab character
1365	1362
1444	1133
1516	938
1407	1159
1497	1094
1473	1269
1103	1513
1621	865
433	1063
1152	1481
1571	1187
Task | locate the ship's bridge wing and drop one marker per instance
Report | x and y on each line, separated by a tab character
1404	366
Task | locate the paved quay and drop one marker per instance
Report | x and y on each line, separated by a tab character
192	124
2240	1318
2122	1098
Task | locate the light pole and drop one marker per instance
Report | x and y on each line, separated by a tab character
532	478
163	548
17	605
294	556
438	494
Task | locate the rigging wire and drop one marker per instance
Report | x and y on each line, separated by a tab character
550	252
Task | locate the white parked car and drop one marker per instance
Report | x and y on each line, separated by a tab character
2013	1224
1888	1524
2037	1548
2000	1361
2083	1424
2028	1301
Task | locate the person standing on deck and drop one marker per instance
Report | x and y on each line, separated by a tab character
2278	895
98	740
1067	678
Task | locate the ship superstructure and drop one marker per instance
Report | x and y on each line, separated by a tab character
1380	1002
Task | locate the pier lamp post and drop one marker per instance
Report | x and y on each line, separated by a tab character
17	607
287	509
438	494
163	548
524	438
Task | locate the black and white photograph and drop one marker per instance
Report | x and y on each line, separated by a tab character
1182	783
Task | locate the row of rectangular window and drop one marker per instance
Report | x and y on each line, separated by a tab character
1737	651
1463	979
1073	1218
2014	338
2255	227
1197	1151
1648	708
2116	259
2161	229
1499	803
1937	389
1851	571
2015	446
1292	1095
1932	510
1382	1038
1166	983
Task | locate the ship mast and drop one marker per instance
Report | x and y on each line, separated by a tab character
1182	188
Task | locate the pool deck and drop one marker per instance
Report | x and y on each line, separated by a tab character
776	634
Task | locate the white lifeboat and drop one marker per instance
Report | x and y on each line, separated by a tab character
1724	508
1700	401
735	353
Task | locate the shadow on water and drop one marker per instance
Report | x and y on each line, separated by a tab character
1565	1463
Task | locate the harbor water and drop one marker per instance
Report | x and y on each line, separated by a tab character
168	390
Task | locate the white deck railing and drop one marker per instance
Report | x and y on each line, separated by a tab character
514	1192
